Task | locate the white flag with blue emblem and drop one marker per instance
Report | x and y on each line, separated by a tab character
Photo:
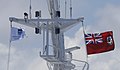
17	33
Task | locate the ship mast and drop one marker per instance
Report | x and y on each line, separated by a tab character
57	36
61	58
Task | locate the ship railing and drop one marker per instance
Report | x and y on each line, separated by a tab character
80	65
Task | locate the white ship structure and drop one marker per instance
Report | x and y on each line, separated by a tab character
57	57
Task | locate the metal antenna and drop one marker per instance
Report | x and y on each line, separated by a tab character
71	9
30	9
65	7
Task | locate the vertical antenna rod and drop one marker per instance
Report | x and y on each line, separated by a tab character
71	9
65	8
30	9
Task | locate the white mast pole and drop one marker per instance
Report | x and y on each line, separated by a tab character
43	38
47	39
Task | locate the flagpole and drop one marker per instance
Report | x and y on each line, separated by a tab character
83	28
9	49
8	62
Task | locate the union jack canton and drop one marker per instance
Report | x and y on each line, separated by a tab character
94	38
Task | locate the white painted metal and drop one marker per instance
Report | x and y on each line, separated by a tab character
61	57
58	58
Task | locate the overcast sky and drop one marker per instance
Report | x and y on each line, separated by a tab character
99	16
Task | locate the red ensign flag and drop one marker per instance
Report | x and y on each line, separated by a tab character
99	42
